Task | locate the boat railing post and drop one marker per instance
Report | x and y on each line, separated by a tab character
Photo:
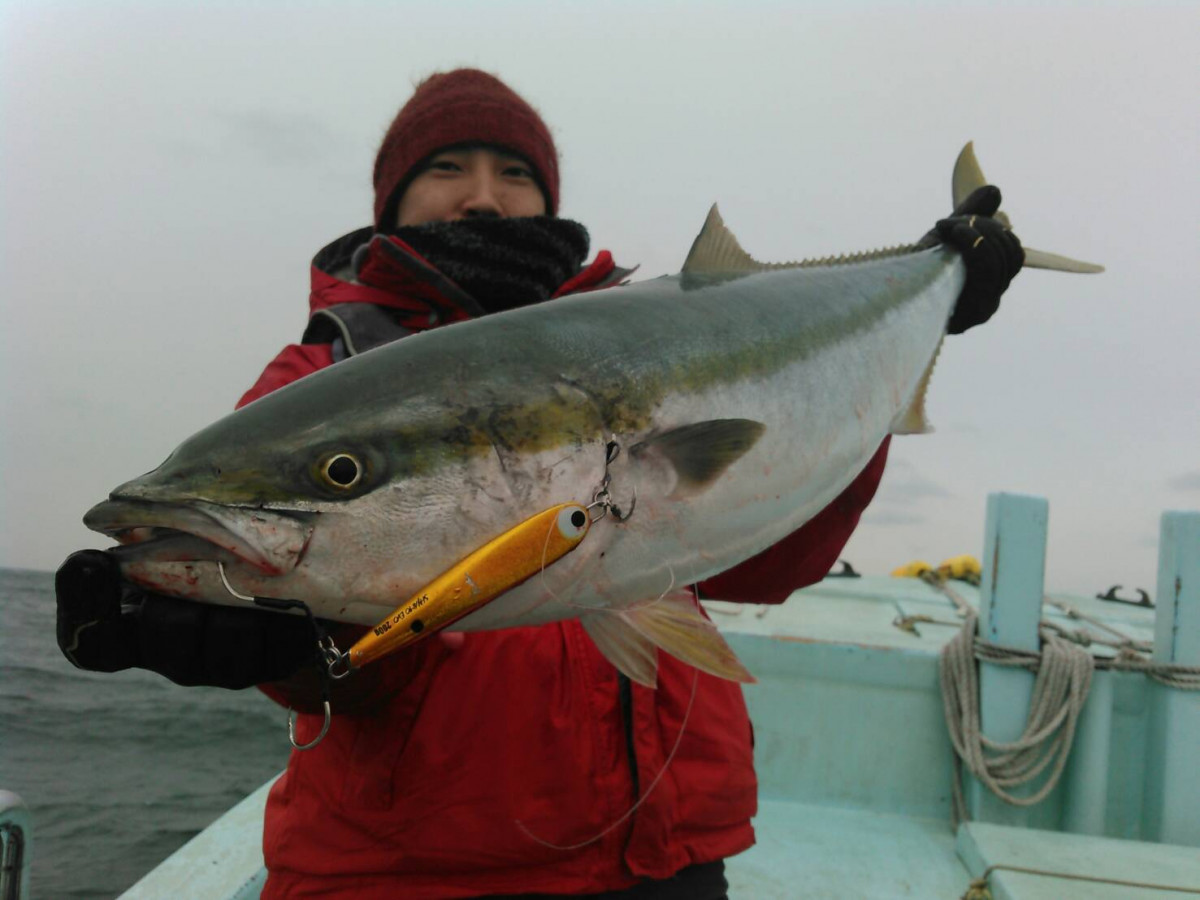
1010	610
16	846
1172	804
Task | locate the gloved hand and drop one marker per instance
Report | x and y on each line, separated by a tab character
992	254
106	624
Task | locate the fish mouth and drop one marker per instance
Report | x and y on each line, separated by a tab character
271	542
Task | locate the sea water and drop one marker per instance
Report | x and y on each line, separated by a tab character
117	770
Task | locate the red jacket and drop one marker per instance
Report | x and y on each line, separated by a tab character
461	767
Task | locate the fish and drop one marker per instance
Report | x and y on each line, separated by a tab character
699	417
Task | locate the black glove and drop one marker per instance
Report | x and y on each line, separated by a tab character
992	254
106	624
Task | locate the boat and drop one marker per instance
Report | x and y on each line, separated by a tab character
853	714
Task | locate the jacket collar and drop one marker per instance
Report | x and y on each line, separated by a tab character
366	267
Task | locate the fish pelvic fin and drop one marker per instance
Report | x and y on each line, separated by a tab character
675	624
701	452
634	655
913	419
968	176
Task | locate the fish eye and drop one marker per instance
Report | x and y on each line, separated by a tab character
573	522
341	471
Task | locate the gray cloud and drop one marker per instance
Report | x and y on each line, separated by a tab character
902	483
1187	481
887	517
265	136
279	137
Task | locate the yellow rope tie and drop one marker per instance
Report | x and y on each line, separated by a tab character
979	889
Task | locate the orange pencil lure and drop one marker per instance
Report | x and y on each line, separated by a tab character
494	568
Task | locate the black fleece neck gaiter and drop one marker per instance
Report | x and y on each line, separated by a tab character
502	263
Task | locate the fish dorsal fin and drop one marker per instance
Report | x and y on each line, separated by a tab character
717	252
675	624
634	655
700	452
913	420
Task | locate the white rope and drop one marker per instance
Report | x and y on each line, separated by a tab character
1064	675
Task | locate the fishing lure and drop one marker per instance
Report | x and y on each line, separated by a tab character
497	566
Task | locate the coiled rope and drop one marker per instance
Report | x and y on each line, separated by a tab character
1064	676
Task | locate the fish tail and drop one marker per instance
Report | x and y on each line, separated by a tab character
968	176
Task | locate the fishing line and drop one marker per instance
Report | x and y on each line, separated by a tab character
653	784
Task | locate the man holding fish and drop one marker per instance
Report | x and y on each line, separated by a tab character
501	762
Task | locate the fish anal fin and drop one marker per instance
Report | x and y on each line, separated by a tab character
913	419
700	452
676	625
624	646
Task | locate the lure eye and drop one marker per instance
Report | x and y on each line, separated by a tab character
573	522
341	471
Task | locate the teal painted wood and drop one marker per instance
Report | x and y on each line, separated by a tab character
1086	783
1127	756
1172	771
848	726
824	853
1010	609
981	845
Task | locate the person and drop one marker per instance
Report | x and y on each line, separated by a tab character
501	763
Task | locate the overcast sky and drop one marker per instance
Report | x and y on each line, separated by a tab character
169	170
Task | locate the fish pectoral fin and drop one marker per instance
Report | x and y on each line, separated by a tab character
699	453
675	624
912	420
634	655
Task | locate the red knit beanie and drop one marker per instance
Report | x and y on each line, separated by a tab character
465	106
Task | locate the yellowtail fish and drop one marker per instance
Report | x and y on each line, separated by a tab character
712	412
